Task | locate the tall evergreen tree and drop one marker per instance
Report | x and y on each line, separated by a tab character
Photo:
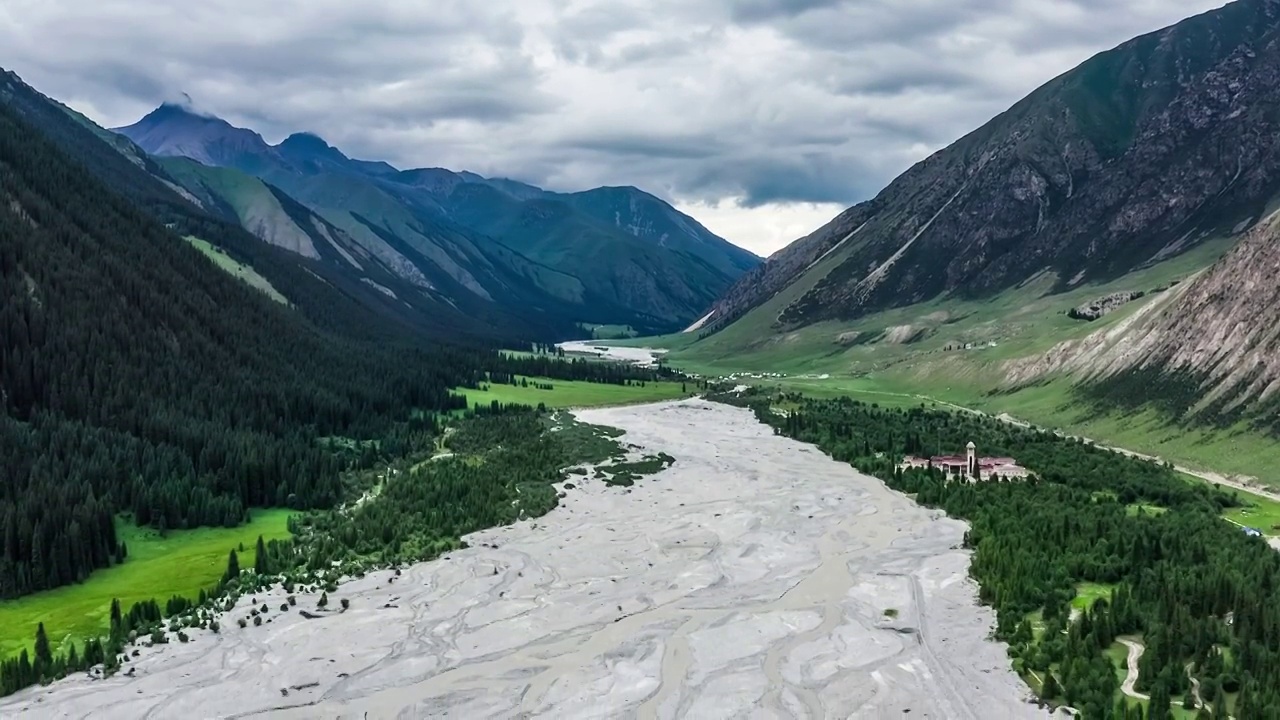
233	567
44	654
261	563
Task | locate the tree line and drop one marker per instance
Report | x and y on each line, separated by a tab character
135	377
1204	596
505	460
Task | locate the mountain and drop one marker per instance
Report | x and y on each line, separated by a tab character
334	282
138	377
1206	350
1138	155
608	256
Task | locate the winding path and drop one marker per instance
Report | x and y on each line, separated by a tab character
1195	686
1135	653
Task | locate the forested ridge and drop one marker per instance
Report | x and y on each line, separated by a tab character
136	377
321	290
1204	596
500	469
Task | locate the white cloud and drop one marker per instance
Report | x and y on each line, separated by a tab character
764	228
763	117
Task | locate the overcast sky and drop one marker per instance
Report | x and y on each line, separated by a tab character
762	118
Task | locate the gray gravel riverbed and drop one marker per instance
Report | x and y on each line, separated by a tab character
749	580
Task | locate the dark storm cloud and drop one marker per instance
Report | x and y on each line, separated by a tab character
760	101
805	177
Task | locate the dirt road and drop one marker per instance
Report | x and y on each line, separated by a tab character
1135	652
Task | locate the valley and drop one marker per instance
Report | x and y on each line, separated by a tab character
551	393
1016	353
623	603
979	417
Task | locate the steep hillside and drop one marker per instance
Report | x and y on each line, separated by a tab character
613	255
641	215
1137	155
1207	350
139	377
339	286
248	201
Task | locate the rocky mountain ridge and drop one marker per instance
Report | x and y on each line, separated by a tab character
1135	156
609	255
1208	347
334	281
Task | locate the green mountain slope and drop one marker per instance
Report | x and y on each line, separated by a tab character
1139	154
341	287
139	377
610	256
250	201
1098	258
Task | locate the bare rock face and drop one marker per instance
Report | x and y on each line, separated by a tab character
1136	155
1098	307
1222	331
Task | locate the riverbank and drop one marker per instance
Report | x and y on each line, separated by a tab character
179	562
754	573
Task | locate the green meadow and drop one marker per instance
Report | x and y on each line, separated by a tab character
183	562
577	393
236	268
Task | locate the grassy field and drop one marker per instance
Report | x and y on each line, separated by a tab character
1260	513
1088	593
577	393
609	332
237	269
1024	321
182	563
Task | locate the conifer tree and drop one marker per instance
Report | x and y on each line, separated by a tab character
116	620
1049	690
233	567
44	655
261	563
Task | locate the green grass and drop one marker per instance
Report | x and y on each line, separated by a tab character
609	332
1259	513
1021	322
577	393
236	268
182	563
1088	593
1118	655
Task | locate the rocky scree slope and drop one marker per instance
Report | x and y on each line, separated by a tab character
1209	348
1136	155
